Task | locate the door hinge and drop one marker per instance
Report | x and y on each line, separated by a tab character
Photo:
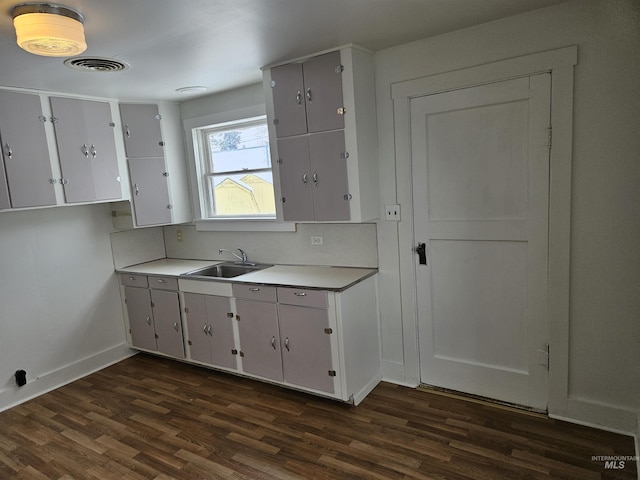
234	352
344	155
186	310
230	315
237	317
158	117
328	331
332	373
153	305
543	356
189	342
339	69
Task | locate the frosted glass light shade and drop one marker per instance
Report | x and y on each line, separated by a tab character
50	34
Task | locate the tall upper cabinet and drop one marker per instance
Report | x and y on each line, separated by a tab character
26	179
155	157
323	136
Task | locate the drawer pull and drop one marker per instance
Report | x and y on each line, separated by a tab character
300	294
133	279
254	289
161	281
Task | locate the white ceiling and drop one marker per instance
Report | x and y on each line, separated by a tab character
221	44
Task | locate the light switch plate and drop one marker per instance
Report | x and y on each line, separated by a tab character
317	240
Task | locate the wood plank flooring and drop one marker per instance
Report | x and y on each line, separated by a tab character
151	418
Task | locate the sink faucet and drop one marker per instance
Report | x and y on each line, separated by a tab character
242	257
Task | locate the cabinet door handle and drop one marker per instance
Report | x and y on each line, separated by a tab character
299	98
315	178
85	150
273	342
9	152
205	329
286	344
94	152
160	280
305	180
210	330
300	294
309	94
254	289
136	189
127	132
148	320
175	326
132	278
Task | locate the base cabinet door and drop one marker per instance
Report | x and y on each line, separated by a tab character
210	329
306	347
259	339
166	319
143	334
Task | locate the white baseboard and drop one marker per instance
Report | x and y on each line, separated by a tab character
397	373
49	381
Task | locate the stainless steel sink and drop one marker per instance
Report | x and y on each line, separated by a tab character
225	270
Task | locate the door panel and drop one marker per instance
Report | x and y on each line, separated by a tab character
150	191
221	331
306	348
143	334
295	179
480	187
102	151
198	339
289	100
323	92
259	339
328	172
142	130
28	166
166	317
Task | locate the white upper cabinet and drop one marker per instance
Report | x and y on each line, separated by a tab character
307	96
87	150
323	175
157	169
26	179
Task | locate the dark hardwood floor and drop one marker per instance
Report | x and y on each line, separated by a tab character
150	418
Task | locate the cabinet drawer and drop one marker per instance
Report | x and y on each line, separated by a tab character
163	283
254	292
302	297
133	280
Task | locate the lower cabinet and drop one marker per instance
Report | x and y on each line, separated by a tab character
153	312
321	342
210	336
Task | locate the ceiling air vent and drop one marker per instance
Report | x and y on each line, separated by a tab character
95	64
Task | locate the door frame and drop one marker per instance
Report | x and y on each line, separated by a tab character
560	64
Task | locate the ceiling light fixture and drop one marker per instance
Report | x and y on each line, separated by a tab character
49	29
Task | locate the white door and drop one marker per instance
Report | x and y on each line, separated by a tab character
480	161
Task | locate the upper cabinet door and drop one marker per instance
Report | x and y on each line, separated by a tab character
328	173
142	130
323	92
289	100
150	191
295	179
86	147
102	151
25	151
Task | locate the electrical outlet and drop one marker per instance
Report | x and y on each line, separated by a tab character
317	240
392	213
179	235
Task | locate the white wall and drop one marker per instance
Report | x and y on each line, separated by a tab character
604	353
61	313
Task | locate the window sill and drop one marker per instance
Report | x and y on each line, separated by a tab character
228	225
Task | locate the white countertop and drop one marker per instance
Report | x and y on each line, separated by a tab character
326	278
167	266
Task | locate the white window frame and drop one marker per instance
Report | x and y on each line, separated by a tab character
192	128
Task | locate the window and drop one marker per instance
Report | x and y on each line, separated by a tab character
235	176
